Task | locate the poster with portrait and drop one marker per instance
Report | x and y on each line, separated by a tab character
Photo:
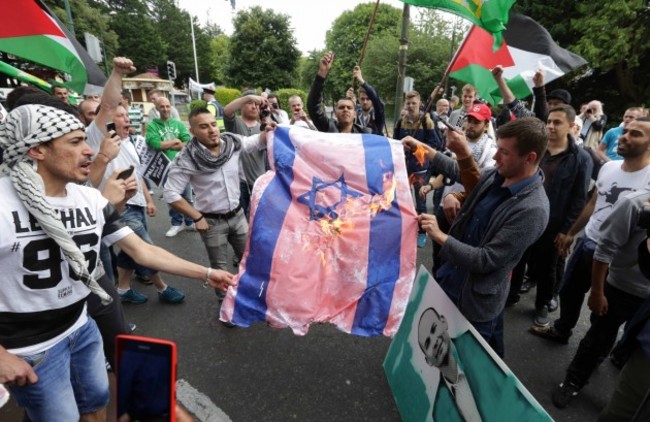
440	369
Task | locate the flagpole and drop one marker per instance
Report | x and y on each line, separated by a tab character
14	72
367	37
365	40
196	63
445	75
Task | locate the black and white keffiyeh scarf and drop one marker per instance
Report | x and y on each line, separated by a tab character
25	127
196	158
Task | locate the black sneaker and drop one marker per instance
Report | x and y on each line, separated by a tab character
512	300
526	286
541	317
550	333
564	393
144	279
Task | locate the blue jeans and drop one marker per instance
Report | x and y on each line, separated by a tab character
492	332
178	217
72	378
134	217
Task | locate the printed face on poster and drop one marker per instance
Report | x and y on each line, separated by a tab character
439	367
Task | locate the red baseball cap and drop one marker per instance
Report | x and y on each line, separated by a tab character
480	112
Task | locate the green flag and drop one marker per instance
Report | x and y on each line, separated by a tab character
491	15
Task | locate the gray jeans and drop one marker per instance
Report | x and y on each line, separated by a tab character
222	232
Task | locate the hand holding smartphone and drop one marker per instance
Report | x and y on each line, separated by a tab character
110	126
125	174
146	378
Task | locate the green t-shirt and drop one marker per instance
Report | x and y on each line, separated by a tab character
159	131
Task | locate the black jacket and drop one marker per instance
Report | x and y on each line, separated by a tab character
317	114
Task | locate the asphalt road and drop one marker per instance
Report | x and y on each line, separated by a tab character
265	374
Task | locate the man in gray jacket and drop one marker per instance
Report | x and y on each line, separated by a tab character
618	289
504	214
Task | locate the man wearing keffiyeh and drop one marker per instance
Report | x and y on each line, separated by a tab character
50	228
210	163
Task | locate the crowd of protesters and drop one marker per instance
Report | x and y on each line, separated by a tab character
521	197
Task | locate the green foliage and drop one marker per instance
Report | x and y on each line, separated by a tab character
308	68
612	37
226	95
262	50
219	57
175	25
284	95
141	43
427	60
345	39
197	103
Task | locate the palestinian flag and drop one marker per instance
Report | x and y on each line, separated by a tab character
527	46
491	15
31	32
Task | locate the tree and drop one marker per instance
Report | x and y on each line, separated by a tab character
262	50
309	67
219	57
175	24
345	39
204	56
141	43
86	19
427	60
614	38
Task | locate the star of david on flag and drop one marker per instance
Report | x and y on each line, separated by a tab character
332	236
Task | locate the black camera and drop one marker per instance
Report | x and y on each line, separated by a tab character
644	218
264	112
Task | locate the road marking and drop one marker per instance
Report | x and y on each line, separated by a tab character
199	404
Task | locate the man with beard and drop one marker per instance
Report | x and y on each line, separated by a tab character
615	180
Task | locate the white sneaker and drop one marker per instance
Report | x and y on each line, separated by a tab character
174	230
190	227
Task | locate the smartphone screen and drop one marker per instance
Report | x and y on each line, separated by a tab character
146	379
